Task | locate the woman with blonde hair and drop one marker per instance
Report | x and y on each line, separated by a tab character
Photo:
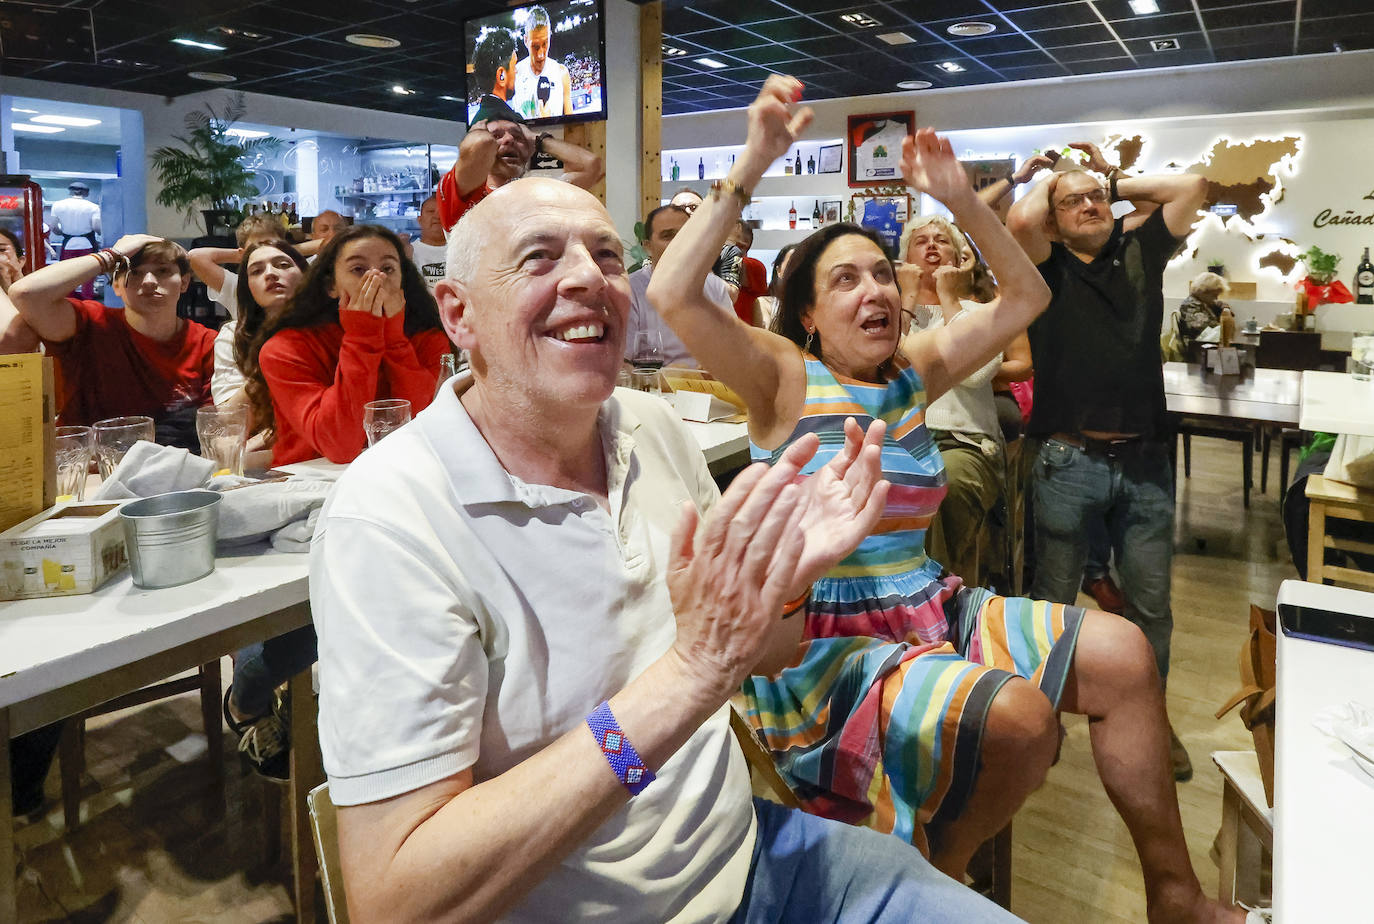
1203	306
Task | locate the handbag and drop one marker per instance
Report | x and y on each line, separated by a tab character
1258	676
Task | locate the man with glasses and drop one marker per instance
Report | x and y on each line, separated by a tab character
1099	409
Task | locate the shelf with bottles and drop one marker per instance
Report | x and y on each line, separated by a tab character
697	165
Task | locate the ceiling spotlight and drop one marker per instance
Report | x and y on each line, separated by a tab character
914	85
950	67
670	52
1144	7
711	63
451	99
368	40
192	43
1169	44
239	33
25	111
970	29
896	38
401	91
36	129
212	76
69	121
860	20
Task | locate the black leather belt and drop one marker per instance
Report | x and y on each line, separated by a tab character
1111	448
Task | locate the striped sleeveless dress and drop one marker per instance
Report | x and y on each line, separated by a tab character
878	720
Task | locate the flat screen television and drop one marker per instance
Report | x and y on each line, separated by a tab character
548	60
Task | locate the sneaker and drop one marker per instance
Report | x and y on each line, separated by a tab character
264	742
1105	592
1178	757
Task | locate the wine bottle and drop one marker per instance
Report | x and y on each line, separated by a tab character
792	216
701	168
1364	281
816	214
796	167
811	163
677	171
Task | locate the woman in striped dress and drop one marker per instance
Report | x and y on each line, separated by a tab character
914	704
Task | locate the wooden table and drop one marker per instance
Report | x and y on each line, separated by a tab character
1261	396
1323	803
63	655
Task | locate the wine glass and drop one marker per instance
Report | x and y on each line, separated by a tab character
383	417
114	436
647	352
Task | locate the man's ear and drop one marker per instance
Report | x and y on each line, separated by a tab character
454	313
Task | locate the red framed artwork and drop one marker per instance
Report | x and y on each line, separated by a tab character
875	146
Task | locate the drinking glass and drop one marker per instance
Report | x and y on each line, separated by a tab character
385	416
223	431
1362	355
73	461
115	435
646	380
647	352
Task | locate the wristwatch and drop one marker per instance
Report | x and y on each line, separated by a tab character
539	141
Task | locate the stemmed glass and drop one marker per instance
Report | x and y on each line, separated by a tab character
648	350
383	417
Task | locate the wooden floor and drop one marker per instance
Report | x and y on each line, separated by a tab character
155	848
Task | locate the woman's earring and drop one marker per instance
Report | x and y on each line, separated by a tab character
810	335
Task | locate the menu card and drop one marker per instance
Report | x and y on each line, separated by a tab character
28	479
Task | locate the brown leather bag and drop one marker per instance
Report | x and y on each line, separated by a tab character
1258	676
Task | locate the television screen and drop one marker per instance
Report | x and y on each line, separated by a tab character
546	60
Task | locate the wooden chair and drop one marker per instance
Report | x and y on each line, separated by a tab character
1333	499
71	746
990	868
324	824
1243	810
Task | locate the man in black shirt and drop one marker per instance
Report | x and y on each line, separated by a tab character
1099	409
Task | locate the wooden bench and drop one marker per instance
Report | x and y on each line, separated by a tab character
1335	500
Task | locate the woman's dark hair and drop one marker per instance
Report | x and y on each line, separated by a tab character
14	239
780	256
799	283
313	306
251	314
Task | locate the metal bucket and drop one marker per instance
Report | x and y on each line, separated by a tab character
171	537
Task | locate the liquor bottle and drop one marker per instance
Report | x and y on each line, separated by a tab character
811	163
796	167
676	170
701	168
792	216
1364	281
816	214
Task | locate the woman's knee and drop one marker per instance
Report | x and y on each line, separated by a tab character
1115	651
1022	728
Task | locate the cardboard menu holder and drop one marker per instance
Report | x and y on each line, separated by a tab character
28	473
698	397
69	549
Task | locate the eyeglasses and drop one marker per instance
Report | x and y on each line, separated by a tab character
1095	196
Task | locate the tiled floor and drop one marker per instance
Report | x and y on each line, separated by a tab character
156	847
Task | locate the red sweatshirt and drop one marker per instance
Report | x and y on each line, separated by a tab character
320	378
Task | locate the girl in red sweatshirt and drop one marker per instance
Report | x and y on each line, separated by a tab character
362	326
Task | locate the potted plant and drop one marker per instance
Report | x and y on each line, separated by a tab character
1320	286
1216	265
209	168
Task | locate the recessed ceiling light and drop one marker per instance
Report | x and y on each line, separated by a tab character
25	111
860	20
670	52
914	84
967	29
401	91
368	40
950	67
1169	44
240	33
896	38
711	63
192	43
70	121
1144	7
212	76
246	133
36	129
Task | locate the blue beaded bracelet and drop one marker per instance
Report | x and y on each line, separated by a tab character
620	754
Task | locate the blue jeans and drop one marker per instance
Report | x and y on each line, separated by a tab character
1132	492
812	870
263	666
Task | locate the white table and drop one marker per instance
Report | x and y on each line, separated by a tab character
62	655
1323	803
725	445
1334	402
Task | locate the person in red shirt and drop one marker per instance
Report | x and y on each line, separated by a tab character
138	360
362	326
753	276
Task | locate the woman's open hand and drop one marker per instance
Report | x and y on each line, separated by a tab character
929	165
775	122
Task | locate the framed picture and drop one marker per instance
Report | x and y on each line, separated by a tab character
832	156
830	208
875	146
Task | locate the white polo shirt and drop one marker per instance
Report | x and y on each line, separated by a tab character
468	619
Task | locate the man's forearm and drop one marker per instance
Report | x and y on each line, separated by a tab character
1158	188
495	841
584	166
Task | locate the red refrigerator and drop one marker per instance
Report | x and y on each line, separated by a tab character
21	211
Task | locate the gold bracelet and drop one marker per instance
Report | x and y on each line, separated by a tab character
729	187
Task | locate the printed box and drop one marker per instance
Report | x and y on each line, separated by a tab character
67	549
